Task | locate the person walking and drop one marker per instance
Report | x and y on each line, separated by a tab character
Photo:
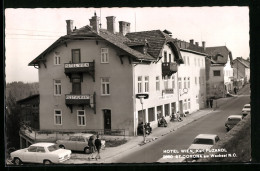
211	102
98	147
91	147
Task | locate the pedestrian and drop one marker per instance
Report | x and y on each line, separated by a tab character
98	147
207	101
211	102
91	147
235	90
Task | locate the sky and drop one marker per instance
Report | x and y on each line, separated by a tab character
28	32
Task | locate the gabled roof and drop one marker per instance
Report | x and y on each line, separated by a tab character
156	40
244	62
87	32
219	54
34	98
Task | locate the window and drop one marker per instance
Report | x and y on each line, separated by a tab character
188	82
146	84
184	82
81	118
75	55
105	86
185	104
188	60
32	149
179	80
173	82
170	58
104	55
188	103
157	83
57	117
57	87
40	150
166	82
165	56
216	73
139	82
56	58
166	109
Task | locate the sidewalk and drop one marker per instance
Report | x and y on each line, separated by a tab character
135	142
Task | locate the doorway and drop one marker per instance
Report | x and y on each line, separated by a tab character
181	106
107	119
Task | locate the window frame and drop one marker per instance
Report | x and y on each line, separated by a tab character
146	84
139	84
106	85
104	59
80	116
57	58
57	87
214	71
157	83
72	57
57	115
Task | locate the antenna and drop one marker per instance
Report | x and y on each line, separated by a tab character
100	17
135	22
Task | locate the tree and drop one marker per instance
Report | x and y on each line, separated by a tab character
12	122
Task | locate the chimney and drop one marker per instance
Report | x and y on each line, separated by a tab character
191	41
203	45
197	43
94	22
111	24
124	27
69	26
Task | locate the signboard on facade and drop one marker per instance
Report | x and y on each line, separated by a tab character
79	65
83	97
168	91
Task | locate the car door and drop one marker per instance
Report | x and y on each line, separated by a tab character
81	143
71	143
41	154
30	155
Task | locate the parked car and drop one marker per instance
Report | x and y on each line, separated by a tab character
46	153
246	109
232	120
78	142
204	141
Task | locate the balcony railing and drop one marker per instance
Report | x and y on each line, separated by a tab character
169	68
168	91
79	68
81	100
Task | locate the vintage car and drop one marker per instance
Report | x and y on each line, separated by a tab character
232	120
204	141
246	109
78	142
46	153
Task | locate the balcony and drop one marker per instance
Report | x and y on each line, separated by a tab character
80	68
81	100
169	68
168	91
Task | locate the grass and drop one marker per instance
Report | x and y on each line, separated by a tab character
237	141
115	143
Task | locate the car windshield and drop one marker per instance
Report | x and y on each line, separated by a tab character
248	107
203	141
234	119
53	148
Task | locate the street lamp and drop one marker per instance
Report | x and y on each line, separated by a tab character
141	97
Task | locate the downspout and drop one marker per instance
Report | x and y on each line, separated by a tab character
134	101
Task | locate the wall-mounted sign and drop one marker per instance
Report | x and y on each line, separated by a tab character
79	65
168	91
77	97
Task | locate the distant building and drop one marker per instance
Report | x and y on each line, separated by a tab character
219	71
30	111
241	70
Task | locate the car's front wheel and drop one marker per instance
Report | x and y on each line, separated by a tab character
46	162
17	161
86	150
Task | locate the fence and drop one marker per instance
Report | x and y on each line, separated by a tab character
54	135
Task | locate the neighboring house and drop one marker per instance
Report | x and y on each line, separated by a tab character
88	78
219	71
30	111
241	71
192	75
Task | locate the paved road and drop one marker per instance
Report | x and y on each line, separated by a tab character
181	139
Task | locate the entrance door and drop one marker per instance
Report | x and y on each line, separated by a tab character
107	119
181	107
